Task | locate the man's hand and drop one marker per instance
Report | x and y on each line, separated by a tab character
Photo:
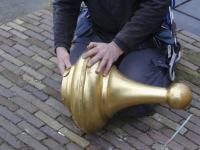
107	53
63	59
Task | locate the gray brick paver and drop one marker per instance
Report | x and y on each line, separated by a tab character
193	137
10	139
56	77
16	26
46	108
173	125
5	147
74	137
151	122
39	51
197	44
45	71
47	22
21	41
136	123
189	46
44	62
10	50
187	33
35	35
38	43
52	144
13	68
180	139
5	92
70	125
51	92
24	50
48	35
5	34
115	130
46	12
56	86
4	27
29	61
117	142
158	147
46	27
56	70
48	120
30	20
52	51
161	110
30	118
32	27
19	34
4	82
47	17
13	78
185	38
31	130
34	17
72	146
7	103
185	114
24	104
49	42
35	92
1	59
136	143
58	106
12	59
33	72
188	64
192	127
55	135
25	95
100	141
163	139
138	134
33	82
6	41
18	21
31	142
38	13
9	126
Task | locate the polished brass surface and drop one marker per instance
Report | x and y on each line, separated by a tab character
92	99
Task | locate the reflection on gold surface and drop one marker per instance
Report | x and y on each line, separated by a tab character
92	99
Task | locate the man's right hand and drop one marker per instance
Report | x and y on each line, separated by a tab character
63	59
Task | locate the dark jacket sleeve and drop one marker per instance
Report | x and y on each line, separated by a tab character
64	19
142	24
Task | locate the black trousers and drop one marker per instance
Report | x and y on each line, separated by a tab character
147	66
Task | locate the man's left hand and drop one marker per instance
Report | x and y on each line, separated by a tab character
107	53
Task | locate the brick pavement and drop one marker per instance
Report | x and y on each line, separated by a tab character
32	116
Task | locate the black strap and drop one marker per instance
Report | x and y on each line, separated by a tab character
151	43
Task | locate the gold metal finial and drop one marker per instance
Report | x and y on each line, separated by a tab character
92	99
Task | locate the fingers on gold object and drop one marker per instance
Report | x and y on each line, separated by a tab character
92	99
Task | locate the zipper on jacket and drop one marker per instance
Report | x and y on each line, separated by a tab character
114	14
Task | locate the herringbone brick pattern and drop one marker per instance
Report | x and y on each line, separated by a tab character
33	117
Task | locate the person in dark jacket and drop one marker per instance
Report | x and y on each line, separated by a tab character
122	34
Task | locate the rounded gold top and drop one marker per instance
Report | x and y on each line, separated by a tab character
178	96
